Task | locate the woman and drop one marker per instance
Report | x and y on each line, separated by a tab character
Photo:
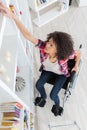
54	55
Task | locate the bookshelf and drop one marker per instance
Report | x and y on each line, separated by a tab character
55	9
81	2
16	60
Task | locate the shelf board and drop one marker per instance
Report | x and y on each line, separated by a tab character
6	94
48	16
7	27
2	22
81	2
2	27
7	2
8	60
26	73
46	4
23	58
23	6
10	28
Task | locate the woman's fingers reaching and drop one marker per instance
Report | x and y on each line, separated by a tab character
2	6
5	10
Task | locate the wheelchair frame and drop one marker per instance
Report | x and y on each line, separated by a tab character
71	84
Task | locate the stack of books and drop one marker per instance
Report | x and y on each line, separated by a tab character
10	115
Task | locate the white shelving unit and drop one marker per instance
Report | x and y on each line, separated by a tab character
61	6
16	52
81	2
2	22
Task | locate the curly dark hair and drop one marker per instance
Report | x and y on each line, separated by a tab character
63	42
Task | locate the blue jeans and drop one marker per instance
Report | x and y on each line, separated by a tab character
44	78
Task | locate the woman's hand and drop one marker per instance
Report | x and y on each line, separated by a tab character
6	11
77	61
76	69
10	14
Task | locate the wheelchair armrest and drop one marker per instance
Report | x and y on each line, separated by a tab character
73	73
73	76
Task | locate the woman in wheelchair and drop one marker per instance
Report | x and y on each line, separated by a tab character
54	55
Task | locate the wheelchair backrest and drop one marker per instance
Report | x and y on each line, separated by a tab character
71	64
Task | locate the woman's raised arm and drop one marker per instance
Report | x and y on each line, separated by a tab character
8	13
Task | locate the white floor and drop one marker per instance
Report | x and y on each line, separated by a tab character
74	117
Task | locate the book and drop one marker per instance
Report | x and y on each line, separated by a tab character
17	104
9	123
8	128
11	114
11	118
5	108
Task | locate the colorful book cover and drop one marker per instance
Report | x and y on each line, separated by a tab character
17	104
9	123
7	128
8	108
5	114
11	118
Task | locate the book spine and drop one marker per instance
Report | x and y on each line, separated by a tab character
10	106
17	104
11	115
9	123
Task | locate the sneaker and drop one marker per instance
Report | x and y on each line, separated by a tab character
39	101
57	110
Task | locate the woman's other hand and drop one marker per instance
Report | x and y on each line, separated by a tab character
75	68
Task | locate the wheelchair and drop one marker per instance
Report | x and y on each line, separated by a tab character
68	86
